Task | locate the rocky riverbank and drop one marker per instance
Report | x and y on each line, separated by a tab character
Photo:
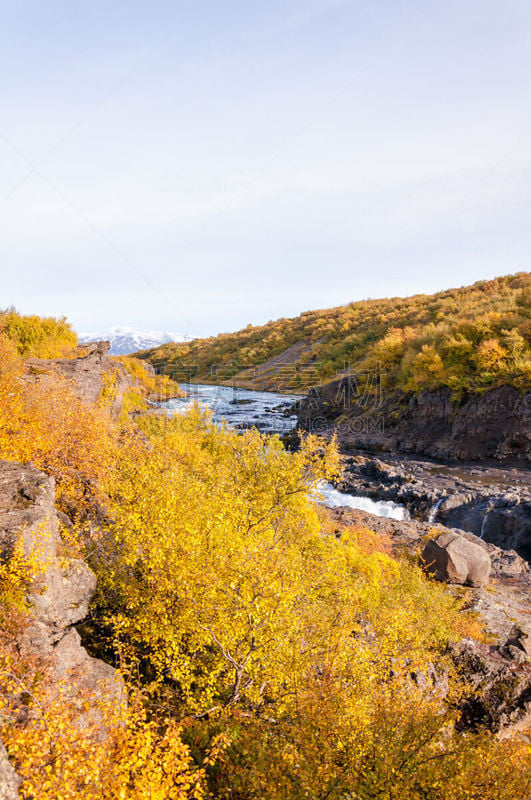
497	673
492	502
466	465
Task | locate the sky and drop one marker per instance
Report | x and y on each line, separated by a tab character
198	166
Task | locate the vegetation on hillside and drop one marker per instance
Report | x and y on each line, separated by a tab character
47	424
40	337
148	386
469	339
265	655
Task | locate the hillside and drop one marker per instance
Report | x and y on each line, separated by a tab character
468	339
266	648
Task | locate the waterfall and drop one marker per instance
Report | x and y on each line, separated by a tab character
432	516
332	498
484	525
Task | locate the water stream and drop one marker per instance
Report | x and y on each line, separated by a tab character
432	516
484	524
269	412
380	508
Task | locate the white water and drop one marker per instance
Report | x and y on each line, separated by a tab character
432	516
267	411
270	413
484	525
380	508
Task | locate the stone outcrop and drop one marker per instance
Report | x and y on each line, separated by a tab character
59	597
496	424
499	681
87	374
453	559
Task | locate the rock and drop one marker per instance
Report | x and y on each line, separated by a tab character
453	559
504	519
64	520
87	374
455	500
9	780
65	596
59	597
495	424
432	680
521	639
32	522
499	682
89	684
506	563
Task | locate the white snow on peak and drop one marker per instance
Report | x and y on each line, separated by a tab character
126	340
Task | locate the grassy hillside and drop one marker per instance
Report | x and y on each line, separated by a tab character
471	338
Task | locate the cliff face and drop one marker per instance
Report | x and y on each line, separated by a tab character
88	374
58	599
494	425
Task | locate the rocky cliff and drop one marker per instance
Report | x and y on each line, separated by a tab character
493	425
58	599
89	374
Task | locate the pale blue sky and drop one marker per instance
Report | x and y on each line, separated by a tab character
200	165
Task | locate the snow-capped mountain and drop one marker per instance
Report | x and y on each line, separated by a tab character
128	340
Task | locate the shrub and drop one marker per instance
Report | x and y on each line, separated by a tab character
40	337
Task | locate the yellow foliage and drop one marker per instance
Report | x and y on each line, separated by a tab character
490	355
44	422
387	335
111	754
159	387
38	336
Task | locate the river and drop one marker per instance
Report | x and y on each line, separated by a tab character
271	413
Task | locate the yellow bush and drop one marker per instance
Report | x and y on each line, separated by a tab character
160	386
244	618
59	758
40	337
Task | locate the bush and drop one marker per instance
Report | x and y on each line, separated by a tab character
40	337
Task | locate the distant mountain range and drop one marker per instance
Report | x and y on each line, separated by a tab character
128	340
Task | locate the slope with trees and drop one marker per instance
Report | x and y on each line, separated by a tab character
468	339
